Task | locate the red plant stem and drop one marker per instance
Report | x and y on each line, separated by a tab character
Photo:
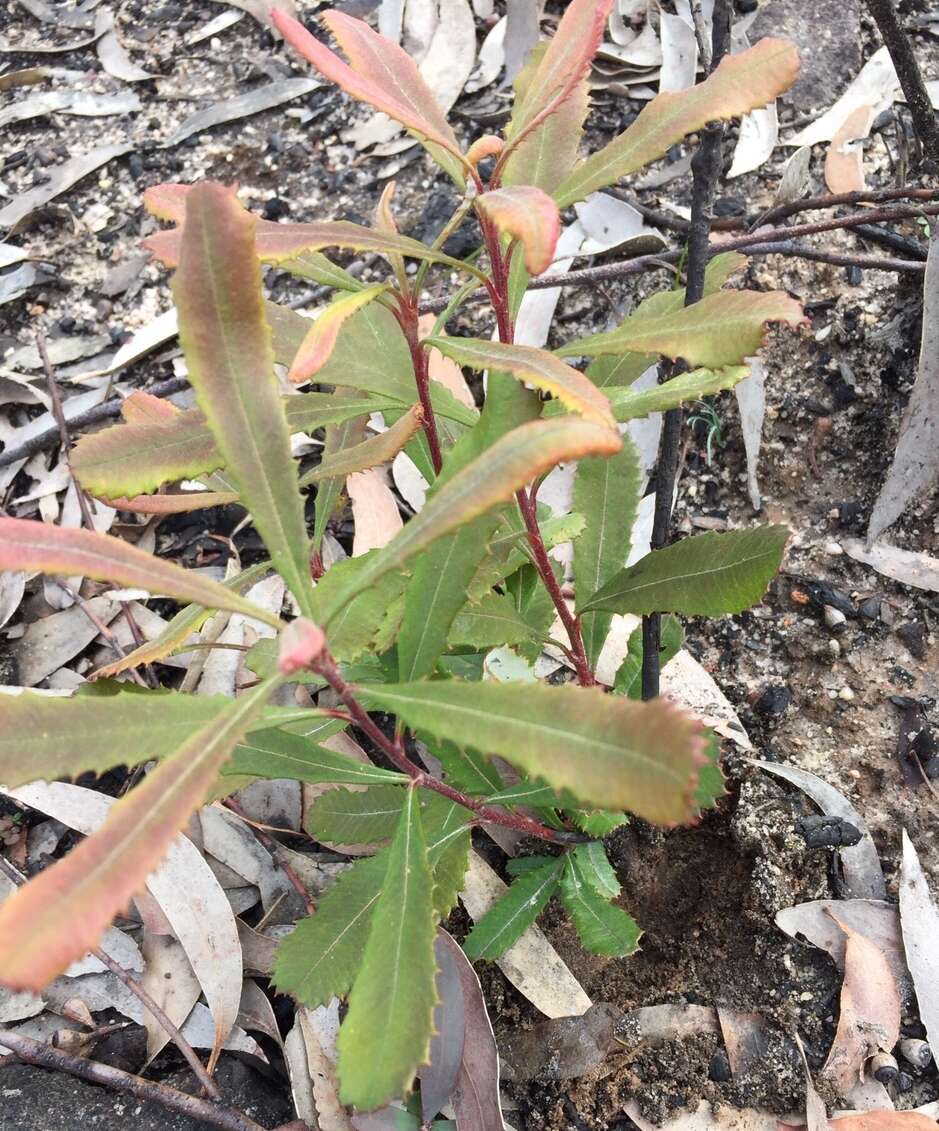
498	289
407	315
327	667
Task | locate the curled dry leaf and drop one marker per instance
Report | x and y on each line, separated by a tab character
532	965
863	874
869	1021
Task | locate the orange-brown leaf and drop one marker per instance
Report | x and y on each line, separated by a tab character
381	74
26	545
175	502
527	214
740	83
62	913
536	366
320	341
371	452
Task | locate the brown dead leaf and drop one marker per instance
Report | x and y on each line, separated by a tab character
374	509
844	162
870	1010
746	1039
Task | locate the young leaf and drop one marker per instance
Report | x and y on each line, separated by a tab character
559	71
321	338
537	367
65	909
603	928
596	869
629	404
276	754
629	677
369	453
27	545
340	816
642	757
227	343
95	732
722	329
606	493
493	478
529	215
395	983
505	923
180	445
741	83
382	75
705	575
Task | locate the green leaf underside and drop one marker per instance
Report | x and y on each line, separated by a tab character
606	493
227	342
340	816
606	750
275	754
505	922
706	575
629	676
396	981
603	928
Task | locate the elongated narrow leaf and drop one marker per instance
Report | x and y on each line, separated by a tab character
381	74
371	452
535	366
705	575
493	478
181	627
630	404
641	757
529	215
722	329
560	69
603	928
741	83
142	454
277	754
179	502
27	545
65	909
227	343
340	816
321	338
505	923
547	154
377	1062
490	623
606	493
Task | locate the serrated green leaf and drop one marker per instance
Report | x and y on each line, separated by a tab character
227	343
505	923
508	547
71	736
597	822
705	575
711	779
606	493
274	753
448	845
603	928
489	623
463	768
596	869
521	865
396	981
641	757
357	625
340	816
629	676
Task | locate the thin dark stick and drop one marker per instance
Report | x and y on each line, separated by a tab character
840	199
706	171
893	240
911	79
211	1088
838	259
45	1056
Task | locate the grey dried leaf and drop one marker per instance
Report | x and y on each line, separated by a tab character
521	34
907	566
62	178
439	1077
915	466
242	106
113	54
794	182
751	401
50	643
919	920
863	875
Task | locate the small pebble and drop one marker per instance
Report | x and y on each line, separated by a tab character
834	647
833	549
846	694
834	618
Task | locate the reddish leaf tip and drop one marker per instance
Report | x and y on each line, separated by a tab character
301	643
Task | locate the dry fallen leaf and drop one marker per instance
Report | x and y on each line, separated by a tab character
876	84
61	178
907	566
751	401
844	161
170	981
374	509
242	106
919	921
869	1020
532	965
